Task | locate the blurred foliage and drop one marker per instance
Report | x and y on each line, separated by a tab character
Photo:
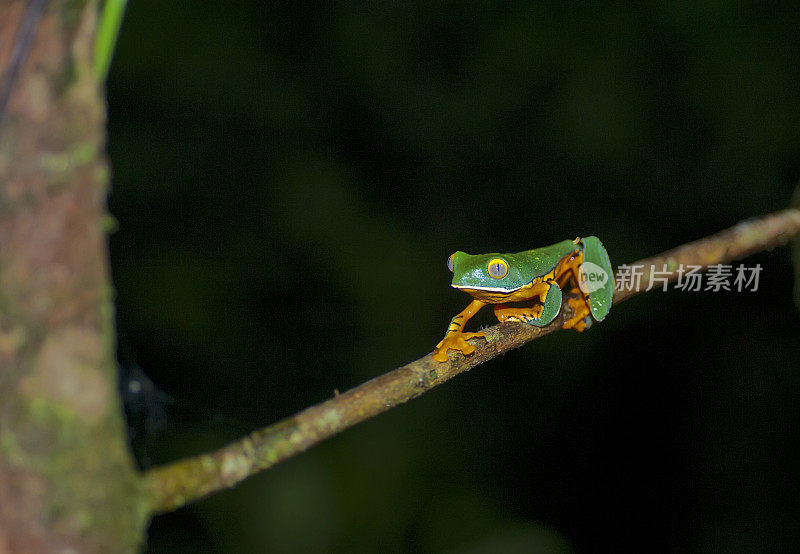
289	180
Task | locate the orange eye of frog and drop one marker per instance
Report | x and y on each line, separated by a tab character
498	268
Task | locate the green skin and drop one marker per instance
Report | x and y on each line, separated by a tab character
532	270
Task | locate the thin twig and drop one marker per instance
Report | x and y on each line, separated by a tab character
176	484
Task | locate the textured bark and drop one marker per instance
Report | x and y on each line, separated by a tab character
67	480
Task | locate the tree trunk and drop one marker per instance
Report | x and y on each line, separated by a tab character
67	480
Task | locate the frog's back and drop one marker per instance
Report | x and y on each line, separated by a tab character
541	261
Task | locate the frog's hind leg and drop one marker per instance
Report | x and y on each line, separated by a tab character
591	264
601	285
538	314
568	273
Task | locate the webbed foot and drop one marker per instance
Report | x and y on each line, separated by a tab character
455	341
582	319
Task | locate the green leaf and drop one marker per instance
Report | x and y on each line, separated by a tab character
107	33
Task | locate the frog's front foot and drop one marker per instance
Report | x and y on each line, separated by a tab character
455	341
582	319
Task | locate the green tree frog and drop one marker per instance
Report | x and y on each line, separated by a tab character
537	275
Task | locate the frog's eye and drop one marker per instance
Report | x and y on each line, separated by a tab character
498	268
450	262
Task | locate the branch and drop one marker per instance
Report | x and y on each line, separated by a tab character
176	484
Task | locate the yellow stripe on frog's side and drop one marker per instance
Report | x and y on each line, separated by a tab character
525	292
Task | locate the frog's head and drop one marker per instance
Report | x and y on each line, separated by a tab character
486	272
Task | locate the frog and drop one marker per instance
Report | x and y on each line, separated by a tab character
536	278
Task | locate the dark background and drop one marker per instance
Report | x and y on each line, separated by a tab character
289	180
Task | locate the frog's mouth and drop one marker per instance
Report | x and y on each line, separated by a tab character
485	289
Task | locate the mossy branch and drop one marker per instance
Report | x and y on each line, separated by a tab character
174	485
